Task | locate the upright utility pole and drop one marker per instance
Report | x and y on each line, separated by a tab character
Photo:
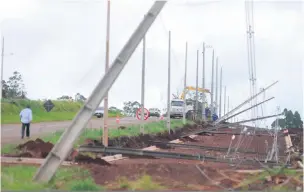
196	92
169	74
228	105
105	116
225	101
185	84
203	84
142	124
212	90
2	56
216	87
220	105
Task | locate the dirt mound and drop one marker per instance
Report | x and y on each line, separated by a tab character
144	140
83	159
36	149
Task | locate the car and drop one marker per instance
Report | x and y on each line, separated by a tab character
99	112
154	112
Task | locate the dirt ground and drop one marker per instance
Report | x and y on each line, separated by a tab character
177	174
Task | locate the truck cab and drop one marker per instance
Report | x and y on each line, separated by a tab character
177	108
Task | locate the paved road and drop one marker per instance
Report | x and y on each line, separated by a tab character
12	132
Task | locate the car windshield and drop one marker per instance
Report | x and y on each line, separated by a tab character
177	103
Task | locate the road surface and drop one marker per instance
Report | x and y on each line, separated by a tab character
10	133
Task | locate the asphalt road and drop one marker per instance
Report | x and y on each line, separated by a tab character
11	133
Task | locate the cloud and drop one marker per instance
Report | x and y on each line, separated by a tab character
59	47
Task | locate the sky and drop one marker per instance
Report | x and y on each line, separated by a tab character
59	48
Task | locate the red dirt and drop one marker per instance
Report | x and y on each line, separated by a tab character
37	148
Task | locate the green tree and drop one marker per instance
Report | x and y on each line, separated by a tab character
14	86
297	121
291	120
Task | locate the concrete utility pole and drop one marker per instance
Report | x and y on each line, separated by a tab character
65	144
142	124
216	87
169	74
185	84
196	92
220	105
106	101
225	101
203	84
212	90
2	56
228	104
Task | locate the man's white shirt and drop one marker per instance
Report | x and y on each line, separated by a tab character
26	115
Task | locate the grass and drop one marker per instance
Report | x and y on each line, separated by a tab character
143	183
260	177
17	177
63	110
134	130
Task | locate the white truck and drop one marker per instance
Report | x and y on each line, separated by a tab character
177	108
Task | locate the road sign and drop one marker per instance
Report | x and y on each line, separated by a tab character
48	105
146	114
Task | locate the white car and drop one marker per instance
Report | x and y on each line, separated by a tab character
99	112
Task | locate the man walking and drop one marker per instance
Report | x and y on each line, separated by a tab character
26	118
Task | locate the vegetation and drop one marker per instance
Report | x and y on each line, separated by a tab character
145	182
63	110
19	177
291	120
133	130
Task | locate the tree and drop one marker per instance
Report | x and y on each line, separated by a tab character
291	120
14	87
79	97
131	107
64	97
298	123
115	109
4	89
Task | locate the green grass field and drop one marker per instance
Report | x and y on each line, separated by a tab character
150	128
19	177
63	110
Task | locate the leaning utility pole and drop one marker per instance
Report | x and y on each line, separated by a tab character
65	144
212	90
169	74
216	87
105	115
142	124
185	84
196	92
203	85
220	105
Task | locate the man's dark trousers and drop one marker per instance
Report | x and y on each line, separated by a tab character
27	127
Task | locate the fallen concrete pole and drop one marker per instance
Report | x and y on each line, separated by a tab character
160	154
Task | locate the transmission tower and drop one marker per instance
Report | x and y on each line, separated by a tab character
251	55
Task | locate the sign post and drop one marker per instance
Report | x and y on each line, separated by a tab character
146	114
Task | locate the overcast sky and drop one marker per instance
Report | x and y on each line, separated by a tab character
59	47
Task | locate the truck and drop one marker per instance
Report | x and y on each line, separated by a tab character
177	108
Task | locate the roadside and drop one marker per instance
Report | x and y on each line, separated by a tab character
10	133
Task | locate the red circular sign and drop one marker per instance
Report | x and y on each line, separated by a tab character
146	114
